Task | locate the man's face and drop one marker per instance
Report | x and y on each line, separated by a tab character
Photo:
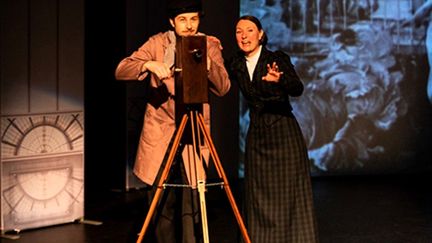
186	24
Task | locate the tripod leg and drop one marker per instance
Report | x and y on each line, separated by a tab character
222	175
199	180
164	175
201	191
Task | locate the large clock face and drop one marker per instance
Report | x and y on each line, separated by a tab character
42	190
43	185
37	135
42	169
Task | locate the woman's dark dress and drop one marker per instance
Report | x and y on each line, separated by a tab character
278	202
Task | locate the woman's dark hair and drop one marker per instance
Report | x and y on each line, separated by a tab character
263	41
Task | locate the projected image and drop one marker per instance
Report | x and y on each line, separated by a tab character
364	65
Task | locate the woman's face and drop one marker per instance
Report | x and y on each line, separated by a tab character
248	37
186	24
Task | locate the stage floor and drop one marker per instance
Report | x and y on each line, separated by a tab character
349	209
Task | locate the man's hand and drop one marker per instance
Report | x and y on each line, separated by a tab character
160	69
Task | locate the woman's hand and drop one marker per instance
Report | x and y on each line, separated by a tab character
273	74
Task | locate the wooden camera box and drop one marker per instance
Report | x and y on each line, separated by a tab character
191	62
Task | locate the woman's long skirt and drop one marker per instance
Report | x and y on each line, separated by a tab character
278	193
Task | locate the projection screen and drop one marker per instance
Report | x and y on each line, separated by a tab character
367	102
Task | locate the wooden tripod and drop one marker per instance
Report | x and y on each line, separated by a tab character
197	125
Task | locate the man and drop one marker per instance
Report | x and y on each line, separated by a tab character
156	58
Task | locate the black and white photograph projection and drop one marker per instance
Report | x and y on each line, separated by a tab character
366	107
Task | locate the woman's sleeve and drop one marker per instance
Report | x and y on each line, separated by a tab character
289	81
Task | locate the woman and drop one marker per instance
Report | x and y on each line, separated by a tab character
278	194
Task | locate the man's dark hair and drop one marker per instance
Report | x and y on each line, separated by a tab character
176	7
